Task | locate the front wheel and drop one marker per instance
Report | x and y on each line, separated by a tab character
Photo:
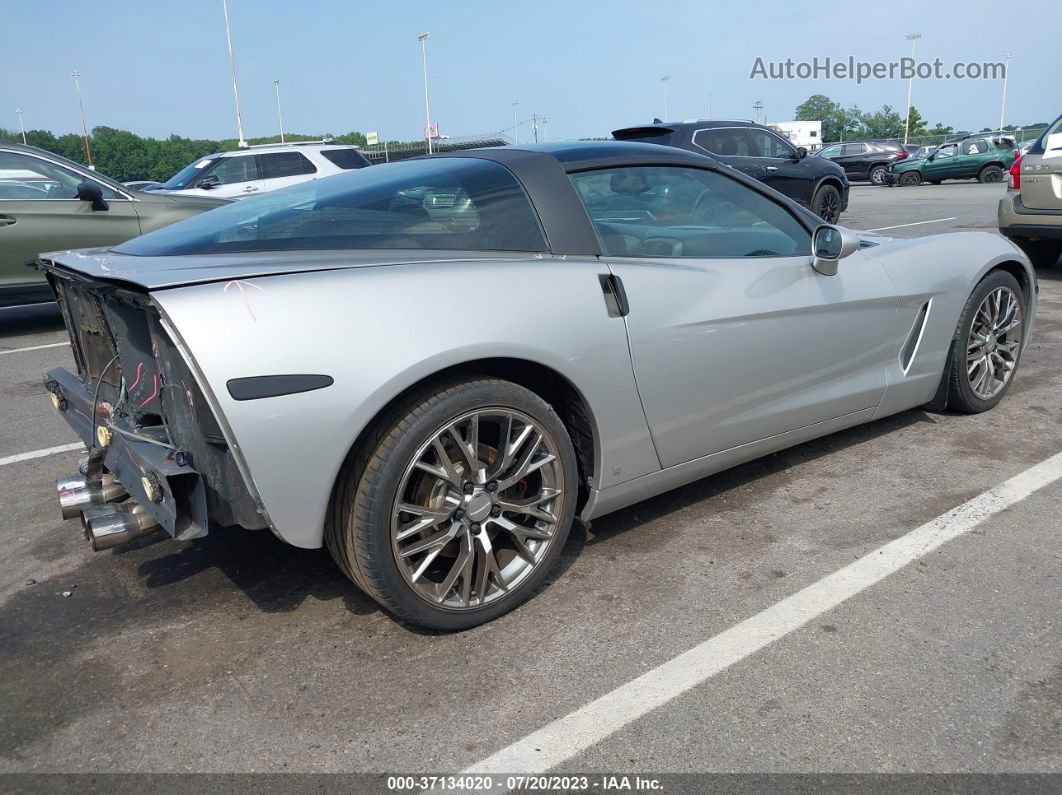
987	344
459	505
827	204
877	174
910	178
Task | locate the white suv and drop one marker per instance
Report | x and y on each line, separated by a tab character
258	169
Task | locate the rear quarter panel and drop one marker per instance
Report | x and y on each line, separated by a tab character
379	330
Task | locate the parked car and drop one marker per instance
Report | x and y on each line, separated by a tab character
760	153
259	169
911	148
48	202
1030	215
865	159
984	157
142	184
298	361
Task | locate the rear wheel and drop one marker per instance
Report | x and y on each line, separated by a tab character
1042	253
990	173
910	178
987	345
877	174
459	505
827	204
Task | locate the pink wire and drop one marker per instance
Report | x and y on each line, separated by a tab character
139	367
154	392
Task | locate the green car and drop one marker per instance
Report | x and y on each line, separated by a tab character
984	157
48	203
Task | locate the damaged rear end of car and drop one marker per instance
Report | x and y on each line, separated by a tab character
158	455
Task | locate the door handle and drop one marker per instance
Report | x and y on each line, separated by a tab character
7	220
772	168
615	295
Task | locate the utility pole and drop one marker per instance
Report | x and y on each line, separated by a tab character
665	80
545	137
232	65
911	37
516	122
1006	74
84	127
280	116
21	126
534	125
423	38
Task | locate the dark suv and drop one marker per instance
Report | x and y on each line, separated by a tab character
865	159
759	152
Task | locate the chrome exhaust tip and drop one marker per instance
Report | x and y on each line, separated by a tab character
108	526
76	493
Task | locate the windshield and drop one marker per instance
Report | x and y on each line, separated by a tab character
187	175
455	203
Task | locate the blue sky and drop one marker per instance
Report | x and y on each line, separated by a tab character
156	67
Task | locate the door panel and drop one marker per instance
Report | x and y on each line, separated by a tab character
31	227
729	351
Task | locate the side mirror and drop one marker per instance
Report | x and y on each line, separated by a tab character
930	158
91	192
208	182
802	152
831	244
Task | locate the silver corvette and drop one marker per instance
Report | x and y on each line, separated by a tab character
433	367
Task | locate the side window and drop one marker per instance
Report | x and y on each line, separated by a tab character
241	168
285	164
671	211
26	178
768	145
831	151
854	149
948	150
345	159
978	147
726	141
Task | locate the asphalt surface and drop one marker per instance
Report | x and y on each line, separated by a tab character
238	653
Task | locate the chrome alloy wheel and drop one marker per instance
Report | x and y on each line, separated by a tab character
994	343
477	508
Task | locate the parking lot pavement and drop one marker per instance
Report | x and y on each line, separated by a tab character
925	209
237	653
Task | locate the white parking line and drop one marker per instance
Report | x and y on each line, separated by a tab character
63	448
35	348
566	737
916	223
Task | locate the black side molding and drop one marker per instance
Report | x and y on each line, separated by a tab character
264	386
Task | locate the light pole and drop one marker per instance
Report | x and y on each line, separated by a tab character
84	127
911	37
423	38
664	80
21	126
1006	73
280	116
232	65
545	137
516	122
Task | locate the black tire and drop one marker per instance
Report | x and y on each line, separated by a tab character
826	204
911	178
877	174
990	173
1042	253
961	396
358	529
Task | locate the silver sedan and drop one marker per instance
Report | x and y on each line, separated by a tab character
434	367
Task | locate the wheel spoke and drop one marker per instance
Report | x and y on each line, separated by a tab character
434	542
520	530
426	517
530	507
462	568
469	447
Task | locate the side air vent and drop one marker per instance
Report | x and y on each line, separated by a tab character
914	337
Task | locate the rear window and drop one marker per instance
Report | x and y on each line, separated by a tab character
285	164
1050	140
649	135
446	203
345	159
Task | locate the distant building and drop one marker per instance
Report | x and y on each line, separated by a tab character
801	133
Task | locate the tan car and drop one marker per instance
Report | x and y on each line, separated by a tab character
1031	212
48	203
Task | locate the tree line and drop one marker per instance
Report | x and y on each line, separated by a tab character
126	156
846	124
